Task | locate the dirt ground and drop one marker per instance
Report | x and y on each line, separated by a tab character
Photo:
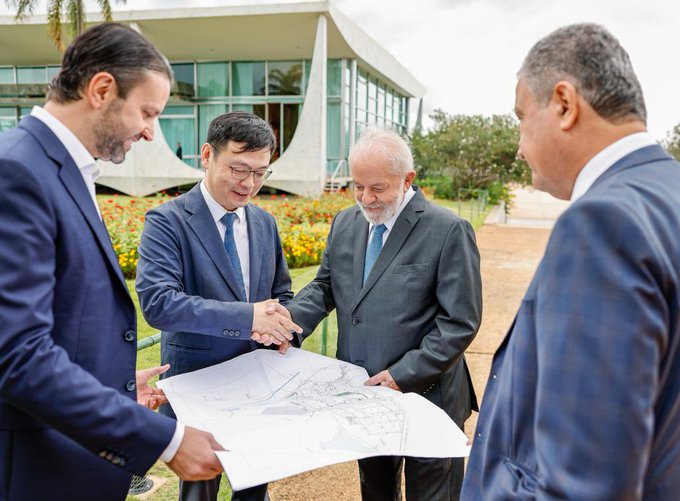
509	258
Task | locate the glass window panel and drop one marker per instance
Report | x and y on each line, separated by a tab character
28	75
274	112
291	115
381	102
25	110
333	130
285	78
179	110
213	79
6	75
334	77
8	118
257	109
181	132
7	123
362	93
248	79
308	68
372	89
184	72
206	114
52	72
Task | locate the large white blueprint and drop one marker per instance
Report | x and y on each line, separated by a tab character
280	415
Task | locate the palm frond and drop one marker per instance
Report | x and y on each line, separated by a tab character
75	12
24	8
54	26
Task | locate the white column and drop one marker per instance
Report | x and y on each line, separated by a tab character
302	167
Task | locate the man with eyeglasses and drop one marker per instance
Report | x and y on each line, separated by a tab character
210	263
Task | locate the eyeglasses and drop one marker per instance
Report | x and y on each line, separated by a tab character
242	173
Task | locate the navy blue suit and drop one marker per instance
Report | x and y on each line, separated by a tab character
583	401
188	289
70	426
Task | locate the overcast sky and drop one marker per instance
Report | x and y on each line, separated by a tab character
467	52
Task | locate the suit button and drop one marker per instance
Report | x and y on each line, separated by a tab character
237	333
131	386
123	462
129	336
225	332
355	321
494	376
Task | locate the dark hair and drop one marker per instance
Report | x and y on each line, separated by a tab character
110	47
589	57
241	127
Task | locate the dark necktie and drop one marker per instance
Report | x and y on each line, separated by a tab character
374	248
230	247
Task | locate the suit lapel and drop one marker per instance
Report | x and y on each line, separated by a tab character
402	228
360	243
202	224
73	182
255	229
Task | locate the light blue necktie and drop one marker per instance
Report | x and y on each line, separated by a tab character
230	247
374	248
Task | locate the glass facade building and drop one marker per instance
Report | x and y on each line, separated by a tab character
273	90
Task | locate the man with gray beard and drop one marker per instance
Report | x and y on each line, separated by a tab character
404	277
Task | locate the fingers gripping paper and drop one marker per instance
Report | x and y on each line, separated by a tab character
280	415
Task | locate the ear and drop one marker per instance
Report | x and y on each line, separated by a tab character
408	180
101	89
566	104
206	153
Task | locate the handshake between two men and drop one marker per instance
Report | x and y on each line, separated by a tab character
272	324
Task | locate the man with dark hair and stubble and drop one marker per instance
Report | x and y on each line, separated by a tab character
583	401
211	267
70	427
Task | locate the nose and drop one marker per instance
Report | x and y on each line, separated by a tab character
520	155
147	132
367	197
249	181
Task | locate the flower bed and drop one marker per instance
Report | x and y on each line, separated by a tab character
303	224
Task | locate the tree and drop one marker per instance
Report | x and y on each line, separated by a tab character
470	152
672	142
74	10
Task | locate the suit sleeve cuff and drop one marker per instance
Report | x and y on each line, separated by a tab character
170	451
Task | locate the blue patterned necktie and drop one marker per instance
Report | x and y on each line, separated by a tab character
374	248
230	247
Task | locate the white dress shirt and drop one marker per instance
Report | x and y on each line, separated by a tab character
607	157
82	158
89	170
240	232
389	224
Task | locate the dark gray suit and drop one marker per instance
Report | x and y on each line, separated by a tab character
418	311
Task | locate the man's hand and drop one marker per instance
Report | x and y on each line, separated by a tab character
268	340
382	379
148	396
195	459
272	323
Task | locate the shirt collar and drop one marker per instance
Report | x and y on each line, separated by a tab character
607	157
216	210
410	193
75	148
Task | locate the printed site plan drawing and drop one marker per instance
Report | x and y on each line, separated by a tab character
280	415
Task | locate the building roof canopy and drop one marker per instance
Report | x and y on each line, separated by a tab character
254	32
